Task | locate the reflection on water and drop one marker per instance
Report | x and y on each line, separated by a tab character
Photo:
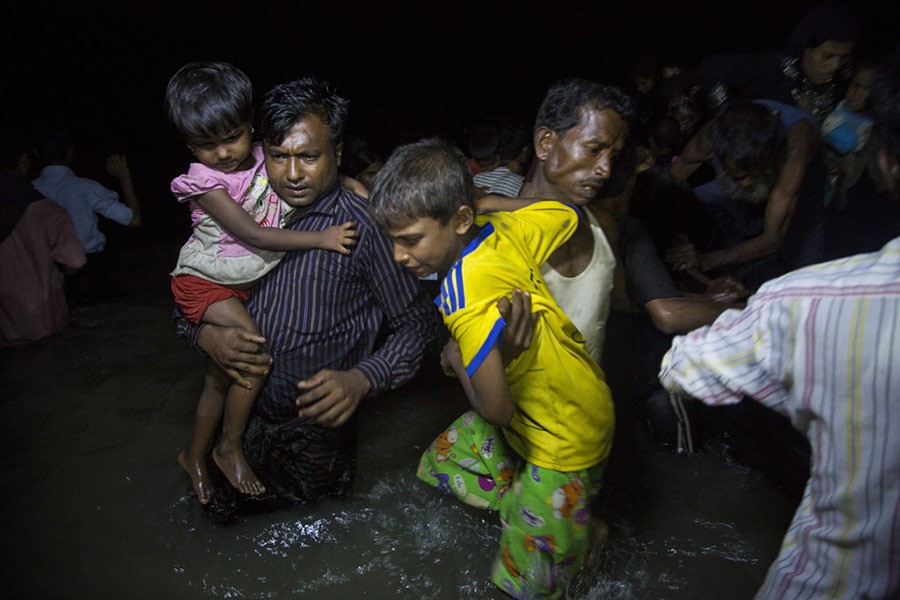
97	506
396	540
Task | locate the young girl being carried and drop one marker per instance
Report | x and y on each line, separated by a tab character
237	238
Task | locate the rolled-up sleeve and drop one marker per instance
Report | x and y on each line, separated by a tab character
736	356
106	203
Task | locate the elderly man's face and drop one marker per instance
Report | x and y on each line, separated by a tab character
304	166
748	184
580	160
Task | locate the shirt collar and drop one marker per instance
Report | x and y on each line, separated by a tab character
56	170
326	205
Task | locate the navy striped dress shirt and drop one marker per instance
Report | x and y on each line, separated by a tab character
319	309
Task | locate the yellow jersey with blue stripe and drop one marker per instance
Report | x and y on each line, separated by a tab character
564	414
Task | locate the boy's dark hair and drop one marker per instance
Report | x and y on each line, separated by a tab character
428	178
284	105
207	99
561	109
885	101
746	133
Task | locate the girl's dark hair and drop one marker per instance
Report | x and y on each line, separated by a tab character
207	99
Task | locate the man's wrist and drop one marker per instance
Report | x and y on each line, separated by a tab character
366	384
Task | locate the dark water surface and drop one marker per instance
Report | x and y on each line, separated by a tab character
96	506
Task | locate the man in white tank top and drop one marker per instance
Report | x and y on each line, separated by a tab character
580	128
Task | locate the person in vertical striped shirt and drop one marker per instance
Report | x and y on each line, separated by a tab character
319	314
822	345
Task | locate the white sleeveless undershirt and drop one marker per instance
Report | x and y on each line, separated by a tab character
585	298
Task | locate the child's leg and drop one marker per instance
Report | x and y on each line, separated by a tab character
229	453
206	422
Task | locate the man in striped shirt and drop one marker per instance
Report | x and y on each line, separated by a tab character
822	345
319	313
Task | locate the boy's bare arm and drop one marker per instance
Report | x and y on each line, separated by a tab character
492	203
520	320
487	389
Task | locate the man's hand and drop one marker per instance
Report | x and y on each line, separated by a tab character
239	352
519	331
117	166
331	397
683	257
726	290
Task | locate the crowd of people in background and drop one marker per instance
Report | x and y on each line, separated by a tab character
706	194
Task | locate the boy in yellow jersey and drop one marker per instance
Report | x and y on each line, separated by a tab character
542	425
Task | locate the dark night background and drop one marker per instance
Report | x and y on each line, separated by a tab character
409	68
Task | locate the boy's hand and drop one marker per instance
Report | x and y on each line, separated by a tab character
340	238
451	358
520	320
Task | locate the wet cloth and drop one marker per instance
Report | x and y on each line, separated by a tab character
822	346
544	514
84	199
211	252
299	461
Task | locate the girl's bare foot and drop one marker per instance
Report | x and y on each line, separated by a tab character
199	477
233	463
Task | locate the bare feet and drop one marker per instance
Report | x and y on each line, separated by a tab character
199	477
233	463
